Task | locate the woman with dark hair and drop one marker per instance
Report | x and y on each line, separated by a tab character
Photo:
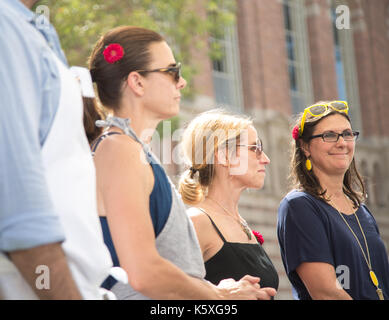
330	243
144	221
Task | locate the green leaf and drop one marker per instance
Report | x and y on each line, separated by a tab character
186	24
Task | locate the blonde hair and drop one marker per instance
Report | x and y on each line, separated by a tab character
204	136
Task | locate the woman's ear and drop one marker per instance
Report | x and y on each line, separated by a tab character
136	83
221	157
305	147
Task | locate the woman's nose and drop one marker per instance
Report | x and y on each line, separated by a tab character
341	141
181	84
264	158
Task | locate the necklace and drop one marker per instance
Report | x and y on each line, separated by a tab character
243	224
373	276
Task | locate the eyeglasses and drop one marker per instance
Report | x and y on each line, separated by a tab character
330	136
317	110
175	71
257	148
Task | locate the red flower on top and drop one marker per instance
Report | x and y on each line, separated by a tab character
259	237
114	52
296	132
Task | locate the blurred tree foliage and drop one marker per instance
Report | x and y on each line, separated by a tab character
185	24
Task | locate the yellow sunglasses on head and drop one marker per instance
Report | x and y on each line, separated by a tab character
319	109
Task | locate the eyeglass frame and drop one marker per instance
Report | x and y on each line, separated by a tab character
176	69
326	105
257	147
355	136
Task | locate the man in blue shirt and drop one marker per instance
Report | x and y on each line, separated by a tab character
32	232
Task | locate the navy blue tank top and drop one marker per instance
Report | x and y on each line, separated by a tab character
160	203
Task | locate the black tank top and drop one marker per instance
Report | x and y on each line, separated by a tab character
235	260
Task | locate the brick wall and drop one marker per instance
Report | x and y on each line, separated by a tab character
372	57
263	56
321	48
265	86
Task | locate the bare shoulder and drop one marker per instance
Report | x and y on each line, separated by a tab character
209	241
118	146
199	218
121	156
196	213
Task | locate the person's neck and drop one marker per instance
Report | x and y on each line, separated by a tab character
142	123
225	195
332	183
29	3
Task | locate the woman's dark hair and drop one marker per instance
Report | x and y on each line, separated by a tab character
109	77
302	179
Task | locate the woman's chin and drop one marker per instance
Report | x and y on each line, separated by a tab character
257	185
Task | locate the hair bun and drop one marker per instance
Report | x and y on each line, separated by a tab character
190	189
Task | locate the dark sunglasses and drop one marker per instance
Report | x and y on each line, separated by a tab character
175	71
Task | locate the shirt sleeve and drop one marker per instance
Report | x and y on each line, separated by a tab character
27	216
303	233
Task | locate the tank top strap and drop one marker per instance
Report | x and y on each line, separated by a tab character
121	123
124	124
214	225
101	138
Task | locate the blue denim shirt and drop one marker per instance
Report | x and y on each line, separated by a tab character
29	97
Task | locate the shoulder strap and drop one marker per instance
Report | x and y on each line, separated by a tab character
101	138
124	124
214	225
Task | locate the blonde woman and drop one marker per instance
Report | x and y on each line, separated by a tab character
225	157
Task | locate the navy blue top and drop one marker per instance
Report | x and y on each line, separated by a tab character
160	203
310	230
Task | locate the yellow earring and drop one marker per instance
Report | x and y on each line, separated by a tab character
308	164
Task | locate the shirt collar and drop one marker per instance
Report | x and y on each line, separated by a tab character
21	9
41	24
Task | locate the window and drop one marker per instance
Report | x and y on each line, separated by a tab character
299	68
339	68
345	68
387	22
226	72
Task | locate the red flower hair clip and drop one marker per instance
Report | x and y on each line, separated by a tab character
259	237
296	132
113	52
